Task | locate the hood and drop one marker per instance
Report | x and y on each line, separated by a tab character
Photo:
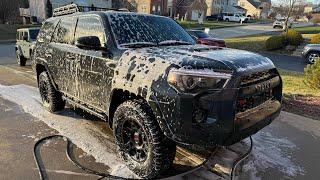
210	57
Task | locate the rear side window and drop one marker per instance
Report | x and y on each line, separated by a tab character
46	31
90	26
64	32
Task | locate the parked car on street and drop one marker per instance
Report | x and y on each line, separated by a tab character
235	18
153	84
25	41
280	23
203	38
215	17
311	53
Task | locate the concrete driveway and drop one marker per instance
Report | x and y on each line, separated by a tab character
287	149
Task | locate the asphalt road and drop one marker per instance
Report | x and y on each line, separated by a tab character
249	29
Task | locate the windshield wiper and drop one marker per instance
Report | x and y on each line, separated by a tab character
139	44
173	42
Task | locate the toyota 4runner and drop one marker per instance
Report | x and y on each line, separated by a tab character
146	76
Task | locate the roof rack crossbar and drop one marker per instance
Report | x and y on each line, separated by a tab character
73	8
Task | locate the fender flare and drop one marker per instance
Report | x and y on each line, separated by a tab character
43	63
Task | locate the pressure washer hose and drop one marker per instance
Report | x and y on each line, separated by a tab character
240	159
42	172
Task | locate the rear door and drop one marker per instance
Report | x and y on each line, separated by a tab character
62	64
94	68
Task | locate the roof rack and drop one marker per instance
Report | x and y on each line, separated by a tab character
73	8
64	10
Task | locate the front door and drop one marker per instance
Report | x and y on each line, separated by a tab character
62	63
94	67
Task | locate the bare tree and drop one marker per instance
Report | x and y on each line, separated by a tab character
289	5
9	9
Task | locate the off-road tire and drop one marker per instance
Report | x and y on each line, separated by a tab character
51	99
21	61
161	150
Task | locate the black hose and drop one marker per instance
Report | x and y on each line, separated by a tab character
240	159
42	172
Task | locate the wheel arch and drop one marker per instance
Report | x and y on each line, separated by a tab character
41	67
119	96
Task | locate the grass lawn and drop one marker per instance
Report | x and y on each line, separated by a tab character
207	24
308	30
293	84
251	43
8	32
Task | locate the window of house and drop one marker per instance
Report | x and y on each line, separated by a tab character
90	26
153	8
159	9
65	31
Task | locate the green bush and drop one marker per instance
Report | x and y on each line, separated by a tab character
275	42
312	75
315	39
293	37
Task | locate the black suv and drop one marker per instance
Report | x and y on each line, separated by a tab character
145	75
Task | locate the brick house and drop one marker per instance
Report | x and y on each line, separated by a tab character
191	9
158	7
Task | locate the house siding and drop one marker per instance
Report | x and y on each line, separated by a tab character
37	8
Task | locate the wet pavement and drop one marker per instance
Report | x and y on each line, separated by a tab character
287	149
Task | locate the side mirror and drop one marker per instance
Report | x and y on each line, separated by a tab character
88	42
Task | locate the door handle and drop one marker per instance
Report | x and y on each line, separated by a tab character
48	53
70	57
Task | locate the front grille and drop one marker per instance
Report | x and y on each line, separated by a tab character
246	103
257	77
249	84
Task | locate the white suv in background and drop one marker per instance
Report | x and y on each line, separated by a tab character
235	18
280	23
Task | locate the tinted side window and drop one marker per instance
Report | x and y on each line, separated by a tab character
90	26
64	32
46	31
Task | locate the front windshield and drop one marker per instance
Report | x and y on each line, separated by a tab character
33	34
129	28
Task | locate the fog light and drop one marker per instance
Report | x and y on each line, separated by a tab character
199	116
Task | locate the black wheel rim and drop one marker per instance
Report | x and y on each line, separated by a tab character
44	91
135	141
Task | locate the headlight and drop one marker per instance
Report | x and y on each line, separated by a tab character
193	81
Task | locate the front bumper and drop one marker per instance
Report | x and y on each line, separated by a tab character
222	123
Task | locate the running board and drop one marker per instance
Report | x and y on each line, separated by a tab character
85	108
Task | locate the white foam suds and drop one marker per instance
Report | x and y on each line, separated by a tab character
81	132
